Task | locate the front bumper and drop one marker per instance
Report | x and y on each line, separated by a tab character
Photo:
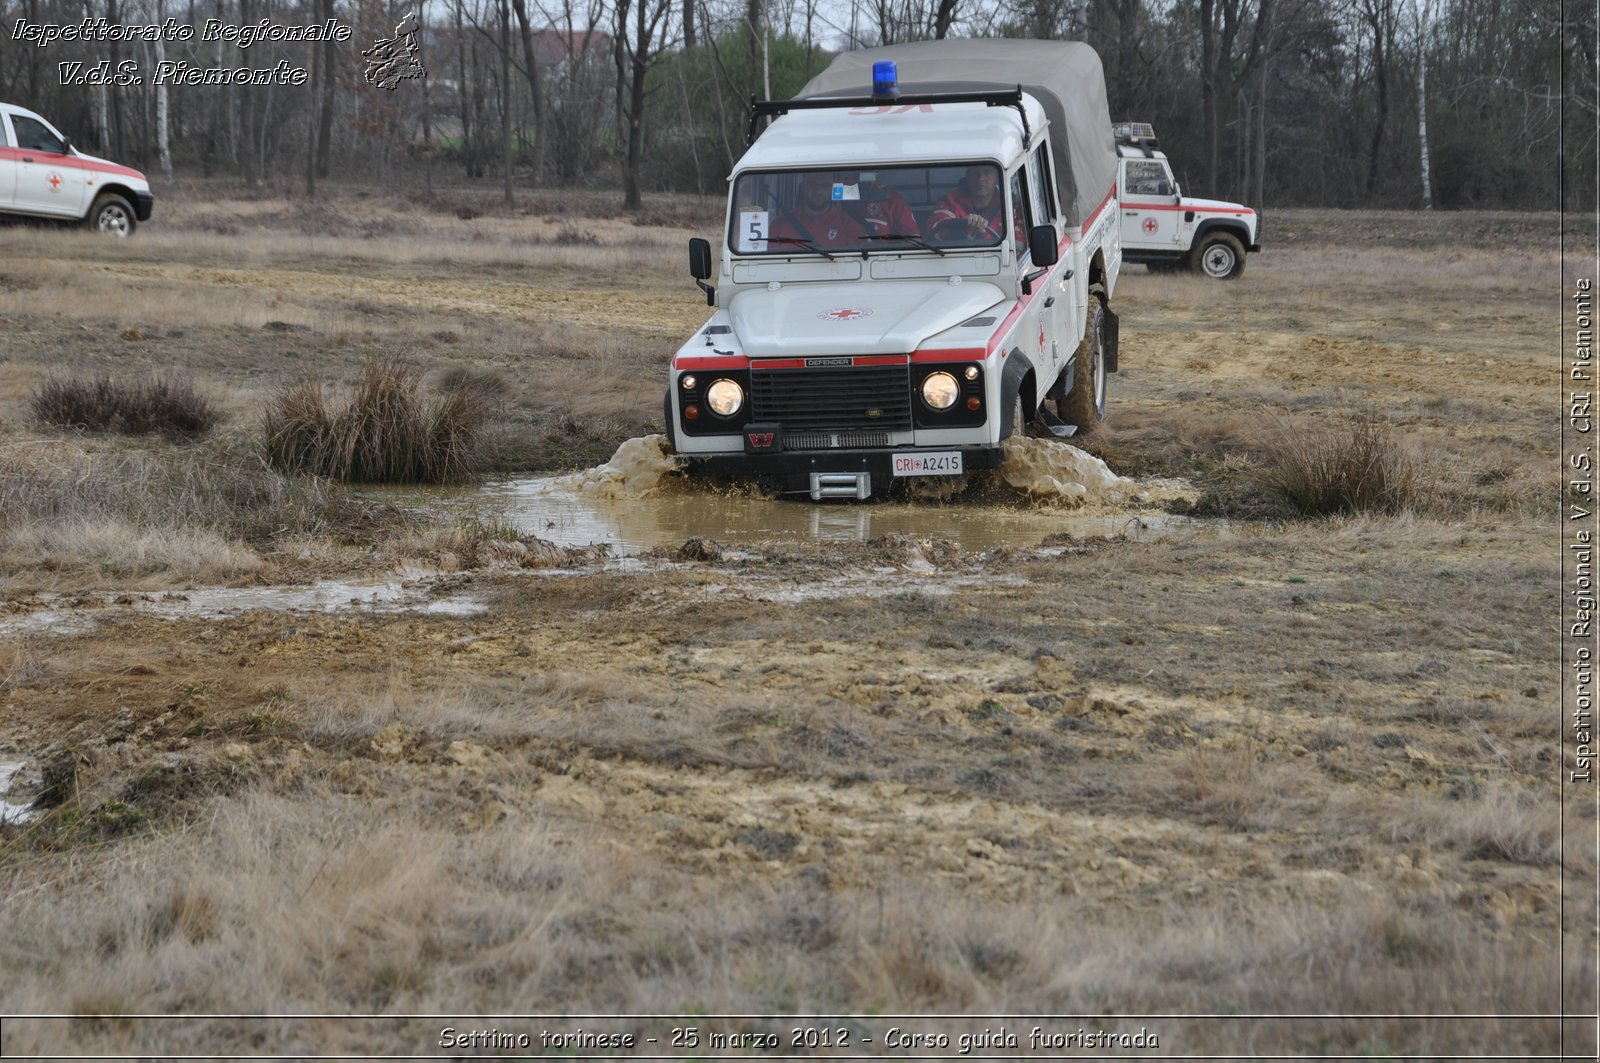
793	471
143	204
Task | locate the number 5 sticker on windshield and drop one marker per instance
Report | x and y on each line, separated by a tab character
752	230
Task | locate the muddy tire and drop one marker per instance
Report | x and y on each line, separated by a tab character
666	420
1085	404
1219	256
112	215
1020	421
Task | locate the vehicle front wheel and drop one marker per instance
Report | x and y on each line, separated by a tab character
666	420
112	215
1085	404
1220	256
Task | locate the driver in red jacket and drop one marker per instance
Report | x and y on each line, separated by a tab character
977	202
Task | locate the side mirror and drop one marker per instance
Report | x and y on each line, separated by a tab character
1042	246
700	267
700	258
66	146
1164	188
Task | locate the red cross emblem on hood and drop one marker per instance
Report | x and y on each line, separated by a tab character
845	313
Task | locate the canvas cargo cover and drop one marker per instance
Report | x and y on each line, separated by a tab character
1064	76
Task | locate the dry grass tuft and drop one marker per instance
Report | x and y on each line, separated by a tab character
1352	467
156	405
388	432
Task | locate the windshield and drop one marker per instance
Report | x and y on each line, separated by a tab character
892	208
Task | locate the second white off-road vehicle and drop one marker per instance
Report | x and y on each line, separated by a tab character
43	176
1166	229
918	262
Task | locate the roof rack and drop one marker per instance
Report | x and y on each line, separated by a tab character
994	98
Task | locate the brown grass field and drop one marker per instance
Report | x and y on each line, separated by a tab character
1281	766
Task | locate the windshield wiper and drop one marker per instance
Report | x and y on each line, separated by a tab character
909	238
807	244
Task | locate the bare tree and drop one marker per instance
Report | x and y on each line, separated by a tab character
1422	21
641	35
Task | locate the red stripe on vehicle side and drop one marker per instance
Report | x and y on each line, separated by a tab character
712	362
1093	214
68	162
1241	212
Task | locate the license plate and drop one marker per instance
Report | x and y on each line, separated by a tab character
938	463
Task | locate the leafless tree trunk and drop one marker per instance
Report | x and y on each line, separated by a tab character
163	129
1379	17
534	88
330	50
505	97
1423	10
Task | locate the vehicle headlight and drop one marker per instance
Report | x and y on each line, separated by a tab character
724	397
939	390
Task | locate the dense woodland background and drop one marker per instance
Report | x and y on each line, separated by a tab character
1339	103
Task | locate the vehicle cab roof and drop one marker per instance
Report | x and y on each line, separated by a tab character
1134	151
865	137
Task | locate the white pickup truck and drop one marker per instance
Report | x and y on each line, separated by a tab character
42	175
918	262
1166	229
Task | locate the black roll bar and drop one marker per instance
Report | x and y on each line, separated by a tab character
994	98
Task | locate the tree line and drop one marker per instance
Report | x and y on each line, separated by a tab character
1340	103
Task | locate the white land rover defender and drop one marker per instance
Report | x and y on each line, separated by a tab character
1166	229
42	175
911	271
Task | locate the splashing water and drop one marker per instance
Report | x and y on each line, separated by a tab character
1051	470
636	470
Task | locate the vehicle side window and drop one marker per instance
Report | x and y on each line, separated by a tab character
1044	205
35	136
1024	208
5	135
1147	177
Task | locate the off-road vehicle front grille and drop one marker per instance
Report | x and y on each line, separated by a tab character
875	397
832	440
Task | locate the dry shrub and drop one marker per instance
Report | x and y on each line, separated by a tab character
155	405
1355	466
388	432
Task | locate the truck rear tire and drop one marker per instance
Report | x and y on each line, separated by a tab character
112	215
1085	404
1220	256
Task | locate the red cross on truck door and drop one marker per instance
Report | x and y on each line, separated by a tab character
1150	214
49	181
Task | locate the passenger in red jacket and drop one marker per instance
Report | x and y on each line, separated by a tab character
885	211
818	218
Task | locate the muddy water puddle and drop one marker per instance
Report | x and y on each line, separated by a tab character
61	615
637	502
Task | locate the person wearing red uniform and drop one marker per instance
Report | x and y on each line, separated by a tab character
972	212
885	211
818	219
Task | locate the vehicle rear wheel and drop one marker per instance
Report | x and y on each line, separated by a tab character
1220	255
1085	404
112	215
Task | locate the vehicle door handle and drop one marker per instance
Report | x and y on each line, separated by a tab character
1050	301
27	158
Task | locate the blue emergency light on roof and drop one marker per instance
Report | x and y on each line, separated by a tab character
884	80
